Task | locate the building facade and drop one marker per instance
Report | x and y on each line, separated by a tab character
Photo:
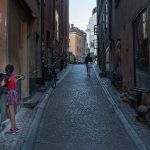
127	42
33	34
103	32
77	43
131	43
56	32
20	37
91	37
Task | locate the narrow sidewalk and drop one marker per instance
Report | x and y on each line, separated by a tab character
139	132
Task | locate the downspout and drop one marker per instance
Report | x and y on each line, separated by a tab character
42	41
53	47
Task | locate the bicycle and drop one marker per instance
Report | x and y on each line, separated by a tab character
52	75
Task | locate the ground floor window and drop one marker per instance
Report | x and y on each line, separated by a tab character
141	51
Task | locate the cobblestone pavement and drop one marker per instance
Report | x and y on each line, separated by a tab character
78	116
83	120
141	129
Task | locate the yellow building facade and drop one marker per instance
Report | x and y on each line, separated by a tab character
77	43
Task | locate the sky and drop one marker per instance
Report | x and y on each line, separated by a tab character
80	11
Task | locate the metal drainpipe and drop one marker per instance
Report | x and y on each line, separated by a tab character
53	48
42	41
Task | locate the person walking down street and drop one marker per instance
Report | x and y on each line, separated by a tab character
88	59
12	97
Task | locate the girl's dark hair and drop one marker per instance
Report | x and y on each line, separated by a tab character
9	68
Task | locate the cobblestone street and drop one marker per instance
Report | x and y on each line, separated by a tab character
74	75
78	116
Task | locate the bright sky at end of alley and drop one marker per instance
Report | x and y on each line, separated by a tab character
80	11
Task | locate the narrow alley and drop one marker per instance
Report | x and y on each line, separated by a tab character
78	116
49	100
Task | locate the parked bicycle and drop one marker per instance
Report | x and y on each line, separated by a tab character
52	75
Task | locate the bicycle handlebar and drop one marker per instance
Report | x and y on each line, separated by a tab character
21	77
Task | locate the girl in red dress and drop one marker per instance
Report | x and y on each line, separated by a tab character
11	97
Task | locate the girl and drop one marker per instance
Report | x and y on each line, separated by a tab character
11	96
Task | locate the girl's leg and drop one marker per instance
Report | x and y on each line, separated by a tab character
12	116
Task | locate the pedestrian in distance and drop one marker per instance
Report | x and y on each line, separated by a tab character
88	59
12	98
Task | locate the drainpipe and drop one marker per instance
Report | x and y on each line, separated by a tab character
53	47
42	41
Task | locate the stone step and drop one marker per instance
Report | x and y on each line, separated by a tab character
30	103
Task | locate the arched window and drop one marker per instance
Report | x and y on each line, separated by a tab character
141	51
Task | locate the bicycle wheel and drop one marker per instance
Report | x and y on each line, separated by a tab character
53	82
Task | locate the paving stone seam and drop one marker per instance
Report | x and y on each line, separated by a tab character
131	132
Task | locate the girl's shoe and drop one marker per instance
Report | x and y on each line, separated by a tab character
11	131
16	130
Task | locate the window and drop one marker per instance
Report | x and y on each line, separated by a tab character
103	22
106	9
57	24
92	32
144	23
141	51
95	44
96	29
91	44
